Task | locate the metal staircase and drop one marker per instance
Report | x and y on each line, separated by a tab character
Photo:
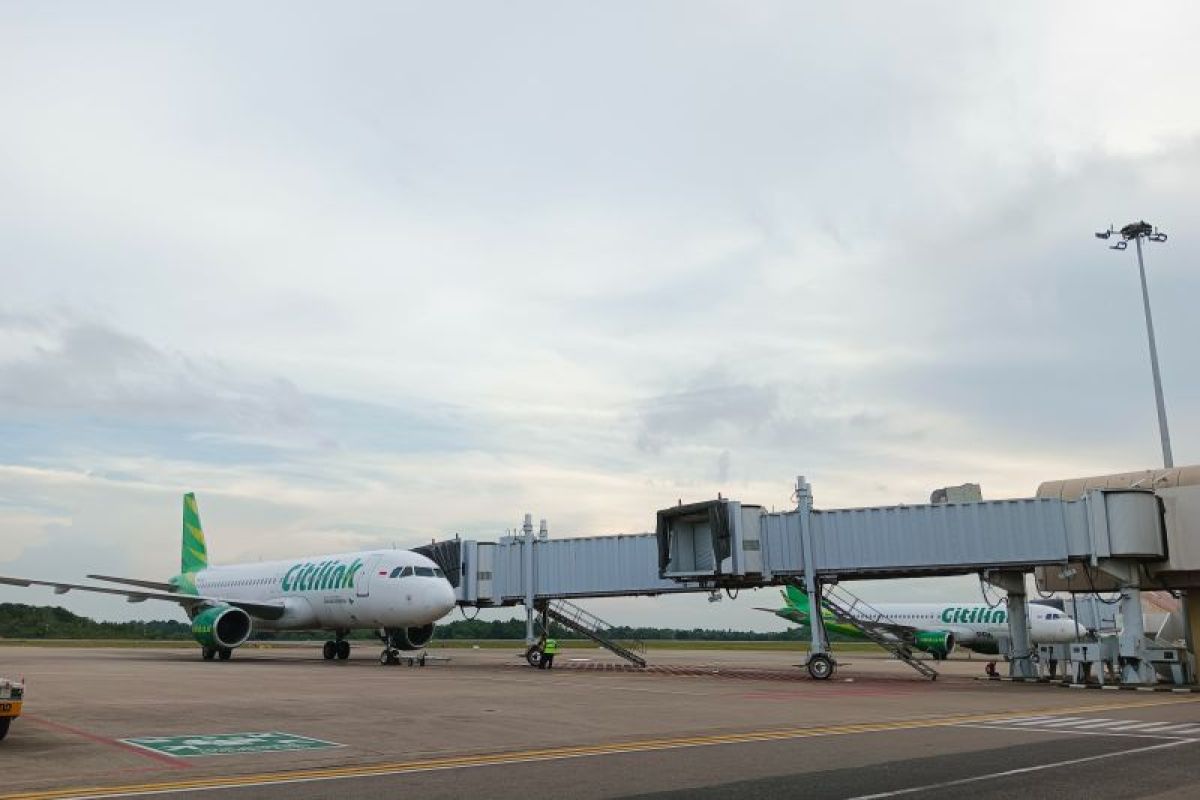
850	609
577	619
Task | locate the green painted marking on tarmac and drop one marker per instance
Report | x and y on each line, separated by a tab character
227	744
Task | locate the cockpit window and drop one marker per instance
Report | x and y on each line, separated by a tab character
396	572
438	572
404	573
425	572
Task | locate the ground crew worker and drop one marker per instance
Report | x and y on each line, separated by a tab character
548	651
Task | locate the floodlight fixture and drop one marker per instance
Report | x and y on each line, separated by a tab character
1136	232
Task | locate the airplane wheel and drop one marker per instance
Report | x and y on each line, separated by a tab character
4	723
329	650
820	667
225	653
343	650
385	658
534	655
208	653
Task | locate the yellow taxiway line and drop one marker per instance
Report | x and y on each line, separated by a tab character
550	754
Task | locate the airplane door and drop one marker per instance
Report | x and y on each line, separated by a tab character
362	580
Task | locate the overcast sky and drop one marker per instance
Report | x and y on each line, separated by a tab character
382	273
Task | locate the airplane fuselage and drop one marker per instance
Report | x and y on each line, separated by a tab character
370	589
973	623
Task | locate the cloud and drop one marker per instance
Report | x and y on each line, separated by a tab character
734	411
84	366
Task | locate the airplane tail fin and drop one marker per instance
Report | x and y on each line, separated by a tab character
796	599
194	551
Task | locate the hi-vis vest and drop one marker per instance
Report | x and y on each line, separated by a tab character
551	647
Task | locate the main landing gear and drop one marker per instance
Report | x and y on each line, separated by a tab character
337	648
209	653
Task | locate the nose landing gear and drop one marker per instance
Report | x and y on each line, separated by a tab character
391	655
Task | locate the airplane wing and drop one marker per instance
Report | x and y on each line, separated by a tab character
163	587
269	610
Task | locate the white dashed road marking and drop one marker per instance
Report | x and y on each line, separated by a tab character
1096	726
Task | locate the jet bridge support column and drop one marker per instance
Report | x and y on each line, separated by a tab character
527	543
1020	663
1132	643
821	663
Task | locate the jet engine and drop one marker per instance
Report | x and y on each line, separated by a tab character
221	627
939	644
413	638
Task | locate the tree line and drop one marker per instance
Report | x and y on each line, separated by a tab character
20	621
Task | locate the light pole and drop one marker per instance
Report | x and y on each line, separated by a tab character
1136	231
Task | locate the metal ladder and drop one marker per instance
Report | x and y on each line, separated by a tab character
850	609
577	619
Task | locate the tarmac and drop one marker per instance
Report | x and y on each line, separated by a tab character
699	724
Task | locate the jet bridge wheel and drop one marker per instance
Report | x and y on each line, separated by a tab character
533	655
820	667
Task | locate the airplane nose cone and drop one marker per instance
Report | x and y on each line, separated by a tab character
445	600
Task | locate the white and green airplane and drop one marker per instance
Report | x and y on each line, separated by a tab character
938	628
396	592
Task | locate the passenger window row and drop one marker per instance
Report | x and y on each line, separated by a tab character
245	582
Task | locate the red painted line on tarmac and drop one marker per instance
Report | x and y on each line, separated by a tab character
58	726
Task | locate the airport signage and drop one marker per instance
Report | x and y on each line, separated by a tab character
227	744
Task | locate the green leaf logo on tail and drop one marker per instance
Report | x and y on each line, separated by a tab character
796	599
195	553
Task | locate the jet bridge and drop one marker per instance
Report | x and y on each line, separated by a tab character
725	544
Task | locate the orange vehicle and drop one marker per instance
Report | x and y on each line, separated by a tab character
12	695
